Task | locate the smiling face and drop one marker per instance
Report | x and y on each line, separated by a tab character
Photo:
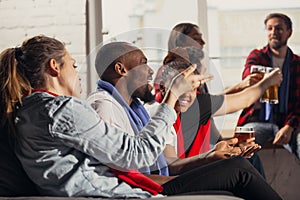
139	76
277	32
186	100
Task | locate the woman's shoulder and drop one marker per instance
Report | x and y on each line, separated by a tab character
52	104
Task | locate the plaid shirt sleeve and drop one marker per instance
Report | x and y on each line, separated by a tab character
293	116
263	57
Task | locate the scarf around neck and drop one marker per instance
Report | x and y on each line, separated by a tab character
138	117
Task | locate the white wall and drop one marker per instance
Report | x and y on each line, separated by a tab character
62	19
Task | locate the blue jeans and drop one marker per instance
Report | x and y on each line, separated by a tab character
265	132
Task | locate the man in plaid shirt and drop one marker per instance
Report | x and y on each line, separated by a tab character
277	122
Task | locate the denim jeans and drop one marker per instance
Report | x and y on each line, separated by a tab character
265	132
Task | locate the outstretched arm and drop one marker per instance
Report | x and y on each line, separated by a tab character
243	99
245	83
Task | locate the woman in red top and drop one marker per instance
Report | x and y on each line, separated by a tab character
189	36
192	126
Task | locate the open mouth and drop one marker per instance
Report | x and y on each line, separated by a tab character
150	83
183	102
150	87
150	80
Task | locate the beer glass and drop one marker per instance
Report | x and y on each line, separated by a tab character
244	133
271	94
258	69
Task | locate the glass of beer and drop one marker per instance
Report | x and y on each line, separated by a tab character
258	69
244	133
271	94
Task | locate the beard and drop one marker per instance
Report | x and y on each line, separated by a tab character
144	94
277	44
148	97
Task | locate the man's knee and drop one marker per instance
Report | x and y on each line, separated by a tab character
238	161
264	132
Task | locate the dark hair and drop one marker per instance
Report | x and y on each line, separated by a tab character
23	68
178	64
169	70
109	54
191	55
178	54
285	18
179	34
176	59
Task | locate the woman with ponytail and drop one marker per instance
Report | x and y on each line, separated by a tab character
13	180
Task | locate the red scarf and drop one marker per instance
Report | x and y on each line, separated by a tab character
200	144
137	179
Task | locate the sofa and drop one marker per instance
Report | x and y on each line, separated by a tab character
15	184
